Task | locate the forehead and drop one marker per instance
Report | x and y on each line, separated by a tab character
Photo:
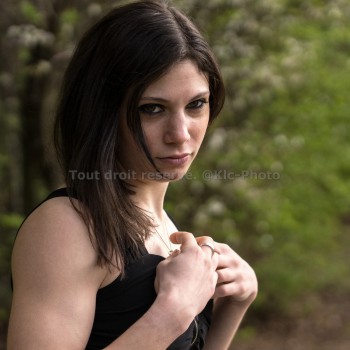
184	79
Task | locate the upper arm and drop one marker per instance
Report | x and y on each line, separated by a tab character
55	280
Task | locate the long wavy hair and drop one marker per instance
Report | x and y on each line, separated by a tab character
114	62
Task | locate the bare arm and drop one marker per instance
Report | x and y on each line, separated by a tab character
236	289
227	316
56	279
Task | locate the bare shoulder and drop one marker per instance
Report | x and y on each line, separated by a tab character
53	238
55	279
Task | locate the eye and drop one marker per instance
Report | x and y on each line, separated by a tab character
197	104
151	109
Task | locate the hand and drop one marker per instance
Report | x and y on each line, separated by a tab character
189	277
236	279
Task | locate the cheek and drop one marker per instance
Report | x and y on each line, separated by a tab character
200	128
152	135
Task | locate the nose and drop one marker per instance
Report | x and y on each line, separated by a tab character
177	129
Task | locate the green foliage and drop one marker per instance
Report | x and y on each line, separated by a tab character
70	16
10	221
31	13
286	68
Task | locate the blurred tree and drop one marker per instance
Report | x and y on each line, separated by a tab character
36	41
37	37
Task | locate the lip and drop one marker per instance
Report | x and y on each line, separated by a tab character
176	159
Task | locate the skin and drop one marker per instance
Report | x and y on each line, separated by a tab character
55	274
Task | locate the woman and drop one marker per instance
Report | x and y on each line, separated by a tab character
94	266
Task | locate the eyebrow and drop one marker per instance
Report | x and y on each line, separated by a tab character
160	99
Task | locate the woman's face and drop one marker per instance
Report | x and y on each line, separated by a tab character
174	113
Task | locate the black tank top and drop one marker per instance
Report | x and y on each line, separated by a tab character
122	302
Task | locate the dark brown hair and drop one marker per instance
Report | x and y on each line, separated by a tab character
114	62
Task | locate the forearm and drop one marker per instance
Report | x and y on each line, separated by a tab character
155	330
227	316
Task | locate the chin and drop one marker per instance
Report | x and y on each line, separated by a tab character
166	176
177	176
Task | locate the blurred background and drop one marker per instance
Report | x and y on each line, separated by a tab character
273	177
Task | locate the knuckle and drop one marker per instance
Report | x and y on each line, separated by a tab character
220	275
240	289
193	250
226	247
224	289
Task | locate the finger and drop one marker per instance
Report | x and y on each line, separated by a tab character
184	238
203	239
225	249
228	261
237	291
209	247
206	242
227	289
187	240
226	275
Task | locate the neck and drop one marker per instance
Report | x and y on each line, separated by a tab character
150	197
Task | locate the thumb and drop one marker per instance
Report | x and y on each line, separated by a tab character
184	238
